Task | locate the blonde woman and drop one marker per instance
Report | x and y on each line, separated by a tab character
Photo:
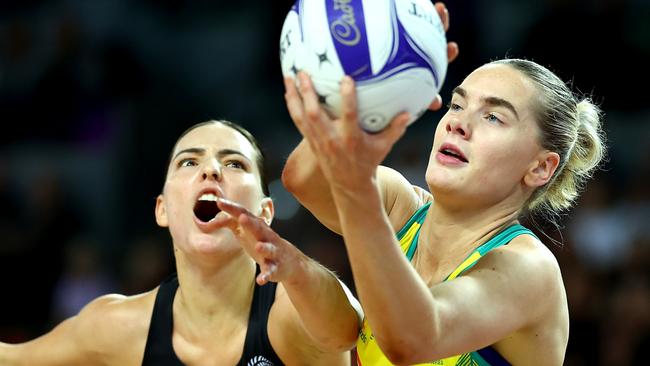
448	275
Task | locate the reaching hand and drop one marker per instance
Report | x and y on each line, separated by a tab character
347	155
276	257
452	49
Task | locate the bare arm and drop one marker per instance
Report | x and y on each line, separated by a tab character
511	288
326	313
91	338
64	345
304	179
507	291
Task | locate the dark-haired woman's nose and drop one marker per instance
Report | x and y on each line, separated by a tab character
212	171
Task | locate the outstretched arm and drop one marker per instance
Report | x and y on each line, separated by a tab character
302	176
326	310
7	354
96	336
61	346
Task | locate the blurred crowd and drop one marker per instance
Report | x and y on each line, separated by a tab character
94	93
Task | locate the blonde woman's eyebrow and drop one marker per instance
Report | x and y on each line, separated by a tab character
493	101
500	102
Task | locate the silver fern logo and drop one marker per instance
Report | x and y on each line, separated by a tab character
259	361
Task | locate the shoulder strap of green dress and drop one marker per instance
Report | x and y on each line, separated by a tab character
418	217
501	238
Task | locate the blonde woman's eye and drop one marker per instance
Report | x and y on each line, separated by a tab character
453	106
492	118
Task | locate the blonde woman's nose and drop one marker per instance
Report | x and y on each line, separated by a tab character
457	126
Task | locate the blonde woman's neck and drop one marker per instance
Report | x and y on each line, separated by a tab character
449	236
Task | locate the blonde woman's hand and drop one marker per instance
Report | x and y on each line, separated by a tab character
346	154
452	49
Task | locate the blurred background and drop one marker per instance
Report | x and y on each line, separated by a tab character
94	93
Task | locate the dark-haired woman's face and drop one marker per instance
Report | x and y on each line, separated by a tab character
210	161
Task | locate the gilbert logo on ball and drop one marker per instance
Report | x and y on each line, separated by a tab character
395	50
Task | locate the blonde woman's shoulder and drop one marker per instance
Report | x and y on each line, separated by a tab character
401	198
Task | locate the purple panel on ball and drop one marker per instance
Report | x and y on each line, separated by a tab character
348	31
405	54
296	7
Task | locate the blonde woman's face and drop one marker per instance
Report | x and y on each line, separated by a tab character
486	142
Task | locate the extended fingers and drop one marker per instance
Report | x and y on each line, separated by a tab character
268	267
256	227
296	108
267	250
436	103
294	103
441	8
251	224
452	51
349	106
309	97
452	47
266	273
231	207
225	221
317	123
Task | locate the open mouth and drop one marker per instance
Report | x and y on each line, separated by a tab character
453	154
205	208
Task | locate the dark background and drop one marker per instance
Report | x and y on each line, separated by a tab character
94	93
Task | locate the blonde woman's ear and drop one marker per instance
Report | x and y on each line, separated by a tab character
543	169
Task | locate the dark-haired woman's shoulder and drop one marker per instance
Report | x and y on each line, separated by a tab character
110	330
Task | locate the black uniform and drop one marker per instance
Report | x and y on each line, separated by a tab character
257	347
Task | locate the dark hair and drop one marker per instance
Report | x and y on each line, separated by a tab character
259	160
